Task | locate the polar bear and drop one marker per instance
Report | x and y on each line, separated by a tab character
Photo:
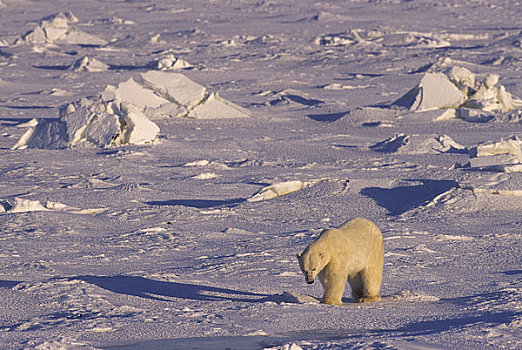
354	252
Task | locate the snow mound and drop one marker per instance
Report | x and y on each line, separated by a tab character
59	28
122	115
88	64
458	88
294	298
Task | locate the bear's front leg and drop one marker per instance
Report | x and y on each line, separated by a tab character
333	289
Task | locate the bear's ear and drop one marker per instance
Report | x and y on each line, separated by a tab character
298	256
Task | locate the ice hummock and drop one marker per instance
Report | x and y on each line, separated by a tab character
168	61
167	94
458	88
123	114
92	120
501	156
88	64
433	92
59	28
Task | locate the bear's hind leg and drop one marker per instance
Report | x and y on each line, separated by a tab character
356	285
371	280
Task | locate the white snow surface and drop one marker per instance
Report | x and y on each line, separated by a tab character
123	227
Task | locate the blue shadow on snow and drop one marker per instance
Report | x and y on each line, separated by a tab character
199	203
158	290
398	200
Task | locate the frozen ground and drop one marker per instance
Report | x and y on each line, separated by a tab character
157	246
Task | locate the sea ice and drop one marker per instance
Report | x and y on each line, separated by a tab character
502	156
391	144
94	121
57	28
119	116
214	106
175	87
509	146
435	91
277	190
88	64
457	88
169	62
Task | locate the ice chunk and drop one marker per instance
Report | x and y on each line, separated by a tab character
277	190
458	87
175	87
87	64
435	91
474	115
509	146
136	94
94	121
462	77
216	107
448	145
138	129
119	115
56	28
503	156
391	144
46	134
20	205
169	62
491	96
103	130
493	160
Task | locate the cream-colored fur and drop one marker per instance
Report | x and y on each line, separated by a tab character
354	252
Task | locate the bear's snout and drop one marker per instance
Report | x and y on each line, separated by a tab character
309	282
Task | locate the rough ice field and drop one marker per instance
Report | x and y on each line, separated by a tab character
174	225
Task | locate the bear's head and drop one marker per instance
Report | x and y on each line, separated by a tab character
311	263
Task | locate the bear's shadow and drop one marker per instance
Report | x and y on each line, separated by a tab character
159	290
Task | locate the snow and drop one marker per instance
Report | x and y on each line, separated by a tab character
162	162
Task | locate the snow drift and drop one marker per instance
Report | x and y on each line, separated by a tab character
122	115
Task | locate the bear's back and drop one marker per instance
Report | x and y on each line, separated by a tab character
360	226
